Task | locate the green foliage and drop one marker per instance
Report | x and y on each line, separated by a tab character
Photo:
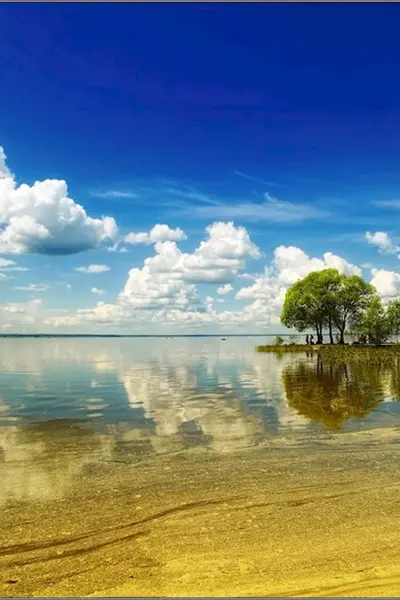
351	298
372	355
373	323
326	299
393	317
309	302
285	348
279	341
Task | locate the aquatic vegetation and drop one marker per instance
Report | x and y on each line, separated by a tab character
285	348
369	354
339	354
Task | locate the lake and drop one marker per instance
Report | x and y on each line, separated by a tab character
195	466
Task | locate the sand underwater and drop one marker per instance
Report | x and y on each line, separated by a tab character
319	518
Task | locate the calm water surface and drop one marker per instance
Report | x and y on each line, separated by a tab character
116	428
99	400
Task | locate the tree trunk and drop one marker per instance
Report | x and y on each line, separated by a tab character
341	340
331	340
319	334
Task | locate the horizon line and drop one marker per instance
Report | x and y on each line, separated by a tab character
142	335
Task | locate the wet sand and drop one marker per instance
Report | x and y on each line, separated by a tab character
320	519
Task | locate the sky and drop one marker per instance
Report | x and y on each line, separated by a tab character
174	168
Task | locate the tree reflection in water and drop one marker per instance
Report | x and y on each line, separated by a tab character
334	393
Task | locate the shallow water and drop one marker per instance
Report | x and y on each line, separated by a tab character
195	466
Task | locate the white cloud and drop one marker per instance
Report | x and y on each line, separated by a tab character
164	292
209	304
10	265
117	248
387	283
4	170
42	218
34	287
159	233
332	261
168	278
224	289
91	269
97	292
21	316
166	284
4	263
147	289
382	241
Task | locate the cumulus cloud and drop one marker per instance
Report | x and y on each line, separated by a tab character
148	289
97	291
43	219
382	241
91	269
387	283
224	289
169	277
162	293
4	170
159	233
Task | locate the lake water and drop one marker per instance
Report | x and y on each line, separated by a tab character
194	466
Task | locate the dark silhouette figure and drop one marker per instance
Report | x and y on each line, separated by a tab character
307	339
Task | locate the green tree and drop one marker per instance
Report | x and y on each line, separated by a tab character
310	303
326	299
352	297
373	322
393	317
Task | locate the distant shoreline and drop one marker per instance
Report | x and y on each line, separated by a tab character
123	335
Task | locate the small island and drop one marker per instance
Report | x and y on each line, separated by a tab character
338	307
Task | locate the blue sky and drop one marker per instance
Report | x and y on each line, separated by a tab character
281	118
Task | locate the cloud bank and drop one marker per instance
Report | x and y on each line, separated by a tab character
43	219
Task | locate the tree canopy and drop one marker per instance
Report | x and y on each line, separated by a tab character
327	299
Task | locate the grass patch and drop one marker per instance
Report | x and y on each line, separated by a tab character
339	354
370	354
286	348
